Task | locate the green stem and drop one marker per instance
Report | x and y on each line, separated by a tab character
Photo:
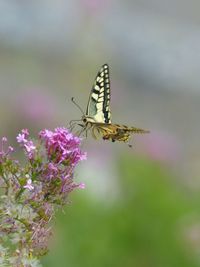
19	194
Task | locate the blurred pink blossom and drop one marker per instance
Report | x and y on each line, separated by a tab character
4	139
94	6
160	146
81	186
35	105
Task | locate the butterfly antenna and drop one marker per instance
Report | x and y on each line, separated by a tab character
72	99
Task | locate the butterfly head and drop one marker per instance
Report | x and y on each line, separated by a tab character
87	119
84	119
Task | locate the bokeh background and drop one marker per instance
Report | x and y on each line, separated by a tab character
140	206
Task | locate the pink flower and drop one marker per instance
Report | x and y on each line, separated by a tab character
21	138
10	149
29	146
30	149
51	171
25	132
81	186
29	185
45	133
4	139
5	152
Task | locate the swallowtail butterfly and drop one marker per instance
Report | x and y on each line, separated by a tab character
97	118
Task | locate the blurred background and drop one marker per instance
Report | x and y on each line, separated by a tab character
141	206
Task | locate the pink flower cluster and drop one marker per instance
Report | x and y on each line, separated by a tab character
38	187
63	154
62	146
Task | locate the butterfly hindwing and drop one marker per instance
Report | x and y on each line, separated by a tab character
99	101
116	132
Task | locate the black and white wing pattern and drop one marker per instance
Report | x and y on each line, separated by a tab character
97	119
99	101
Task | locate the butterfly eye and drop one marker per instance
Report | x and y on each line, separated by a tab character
84	120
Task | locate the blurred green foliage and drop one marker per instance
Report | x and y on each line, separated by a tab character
144	227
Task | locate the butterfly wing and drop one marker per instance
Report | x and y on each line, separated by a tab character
116	132
99	101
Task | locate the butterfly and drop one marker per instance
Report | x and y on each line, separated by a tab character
97	118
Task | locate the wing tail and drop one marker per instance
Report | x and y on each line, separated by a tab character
138	130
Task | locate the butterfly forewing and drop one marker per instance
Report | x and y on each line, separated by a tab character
99	101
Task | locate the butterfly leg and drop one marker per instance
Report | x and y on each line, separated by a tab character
127	141
72	124
78	133
87	129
